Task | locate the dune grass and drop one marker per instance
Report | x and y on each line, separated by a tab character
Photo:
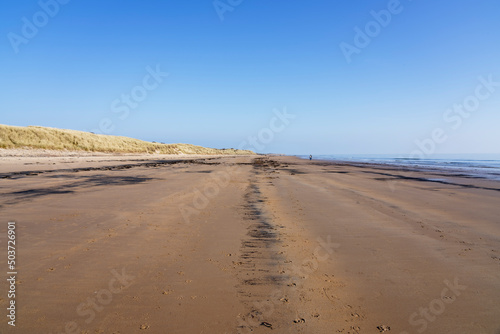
38	137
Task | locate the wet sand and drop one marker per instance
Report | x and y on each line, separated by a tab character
248	245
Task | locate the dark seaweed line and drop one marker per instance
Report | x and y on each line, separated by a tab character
106	168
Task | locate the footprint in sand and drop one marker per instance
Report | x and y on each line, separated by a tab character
266	324
383	328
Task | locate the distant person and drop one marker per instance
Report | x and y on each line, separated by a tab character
310	157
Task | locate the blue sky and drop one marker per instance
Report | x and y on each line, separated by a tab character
225	77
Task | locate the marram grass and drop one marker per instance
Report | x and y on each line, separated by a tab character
38	137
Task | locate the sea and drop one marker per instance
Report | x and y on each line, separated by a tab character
474	165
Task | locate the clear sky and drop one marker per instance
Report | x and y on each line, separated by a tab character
354	79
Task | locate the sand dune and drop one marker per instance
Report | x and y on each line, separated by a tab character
38	137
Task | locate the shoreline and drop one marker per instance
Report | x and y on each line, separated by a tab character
479	172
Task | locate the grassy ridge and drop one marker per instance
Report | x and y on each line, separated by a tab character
58	139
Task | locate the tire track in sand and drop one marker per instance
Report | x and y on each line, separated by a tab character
264	285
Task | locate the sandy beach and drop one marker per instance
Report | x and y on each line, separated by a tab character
247	244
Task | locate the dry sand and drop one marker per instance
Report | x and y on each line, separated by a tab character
248	245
